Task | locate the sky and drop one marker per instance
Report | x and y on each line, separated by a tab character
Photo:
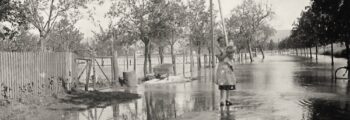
286	12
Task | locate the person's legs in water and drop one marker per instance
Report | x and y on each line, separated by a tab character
228	102
222	98
222	101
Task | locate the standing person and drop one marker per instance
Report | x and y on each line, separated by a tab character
225	77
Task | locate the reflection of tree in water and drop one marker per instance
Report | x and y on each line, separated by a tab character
329	110
115	109
122	111
92	114
171	101
49	115
317	80
126	111
202	102
160	105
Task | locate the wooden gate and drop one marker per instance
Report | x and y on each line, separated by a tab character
95	72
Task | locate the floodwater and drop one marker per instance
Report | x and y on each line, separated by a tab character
278	88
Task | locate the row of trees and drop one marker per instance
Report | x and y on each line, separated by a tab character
160	24
132	25
154	23
323	22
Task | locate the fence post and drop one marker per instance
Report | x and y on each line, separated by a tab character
93	73
88	63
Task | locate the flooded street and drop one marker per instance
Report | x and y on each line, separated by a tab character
154	60
279	88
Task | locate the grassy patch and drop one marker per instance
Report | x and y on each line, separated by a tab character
339	50
338	54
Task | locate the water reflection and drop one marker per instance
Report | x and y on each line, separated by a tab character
280	88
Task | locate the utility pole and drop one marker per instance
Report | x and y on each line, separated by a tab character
222	20
212	41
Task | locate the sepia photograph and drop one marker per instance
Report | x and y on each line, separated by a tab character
174	59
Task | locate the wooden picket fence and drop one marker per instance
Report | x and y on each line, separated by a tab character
34	73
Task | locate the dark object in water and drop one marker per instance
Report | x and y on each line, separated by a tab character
161	76
227	87
148	77
163	70
122	81
228	103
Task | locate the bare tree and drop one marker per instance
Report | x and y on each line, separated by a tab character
250	16
262	36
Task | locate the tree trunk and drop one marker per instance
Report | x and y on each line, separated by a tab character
135	60
306	53
183	62
310	48
332	54
115	67
199	62
161	55
348	56
316	52
211	58
250	52
145	72
262	52
149	62
42	42
209	53
205	60
127	59
191	59
173	59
